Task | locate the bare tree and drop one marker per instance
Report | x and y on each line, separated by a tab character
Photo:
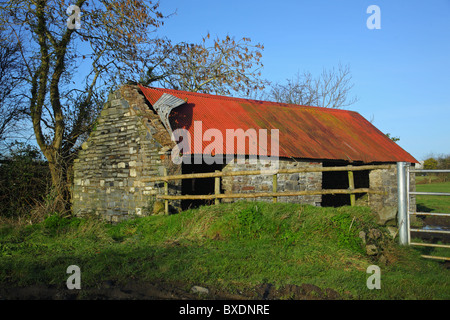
330	90
218	66
12	110
301	90
69	66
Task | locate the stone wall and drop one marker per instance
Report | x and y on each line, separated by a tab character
386	205
128	145
285	182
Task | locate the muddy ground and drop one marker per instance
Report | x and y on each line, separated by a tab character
135	290
434	222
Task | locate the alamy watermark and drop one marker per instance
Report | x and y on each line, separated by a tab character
74	20
374	21
374	281
74	281
234	142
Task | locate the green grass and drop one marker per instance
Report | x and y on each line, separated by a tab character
433	203
229	246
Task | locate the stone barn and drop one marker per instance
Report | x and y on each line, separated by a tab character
145	132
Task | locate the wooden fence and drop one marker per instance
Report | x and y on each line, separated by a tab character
274	194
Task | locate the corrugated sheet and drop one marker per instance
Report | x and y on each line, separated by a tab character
304	132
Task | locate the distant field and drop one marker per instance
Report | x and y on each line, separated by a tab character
434	203
427	179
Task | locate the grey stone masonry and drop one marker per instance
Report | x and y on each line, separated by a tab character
285	182
386	181
128	145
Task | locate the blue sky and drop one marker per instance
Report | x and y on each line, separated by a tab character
401	72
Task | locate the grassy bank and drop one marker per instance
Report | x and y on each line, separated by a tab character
230	246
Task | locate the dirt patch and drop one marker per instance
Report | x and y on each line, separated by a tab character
295	292
136	290
436	223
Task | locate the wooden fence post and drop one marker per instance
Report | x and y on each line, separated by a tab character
274	187
217	188
351	186
166	192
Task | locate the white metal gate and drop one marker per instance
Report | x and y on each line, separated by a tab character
404	212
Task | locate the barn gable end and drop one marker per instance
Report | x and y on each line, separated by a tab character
127	146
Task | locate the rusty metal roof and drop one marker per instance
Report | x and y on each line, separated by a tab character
304	131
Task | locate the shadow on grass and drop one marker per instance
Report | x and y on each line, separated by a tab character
423	208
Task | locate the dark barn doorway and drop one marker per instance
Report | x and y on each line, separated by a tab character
339	180
198	186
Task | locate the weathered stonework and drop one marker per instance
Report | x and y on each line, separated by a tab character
128	145
264	183
386	205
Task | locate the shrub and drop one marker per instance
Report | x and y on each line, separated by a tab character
24	180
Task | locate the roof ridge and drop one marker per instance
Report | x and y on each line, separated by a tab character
274	103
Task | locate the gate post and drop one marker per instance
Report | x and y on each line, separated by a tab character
402	216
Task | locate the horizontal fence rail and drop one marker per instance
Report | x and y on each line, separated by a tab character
263	172
351	191
265	194
432	231
435	257
430	193
430	245
430	214
429	170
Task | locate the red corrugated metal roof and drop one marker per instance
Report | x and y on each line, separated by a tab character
304	132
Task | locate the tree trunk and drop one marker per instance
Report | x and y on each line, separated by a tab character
58	173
